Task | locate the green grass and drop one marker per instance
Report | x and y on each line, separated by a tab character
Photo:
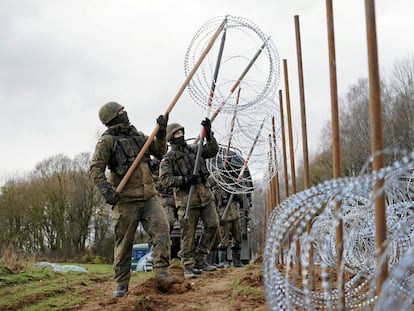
49	290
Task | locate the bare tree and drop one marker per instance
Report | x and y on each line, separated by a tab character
402	116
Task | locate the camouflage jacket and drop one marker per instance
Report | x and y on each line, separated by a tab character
117	149
180	162
222	197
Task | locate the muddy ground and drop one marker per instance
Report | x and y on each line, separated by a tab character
225	289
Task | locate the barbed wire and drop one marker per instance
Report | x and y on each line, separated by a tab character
356	200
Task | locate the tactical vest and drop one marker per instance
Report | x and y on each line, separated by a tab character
185	163
125	149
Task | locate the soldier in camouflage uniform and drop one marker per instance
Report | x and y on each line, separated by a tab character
138	202
166	195
230	229
176	170
212	256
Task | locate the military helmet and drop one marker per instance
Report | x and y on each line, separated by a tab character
172	128
109	111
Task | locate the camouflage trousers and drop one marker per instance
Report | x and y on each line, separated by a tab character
170	210
209	216
230	229
126	217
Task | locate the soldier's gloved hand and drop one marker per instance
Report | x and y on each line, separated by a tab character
191	180
111	196
206	123
222	222
162	122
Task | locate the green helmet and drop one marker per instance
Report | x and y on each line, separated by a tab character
172	128
109	111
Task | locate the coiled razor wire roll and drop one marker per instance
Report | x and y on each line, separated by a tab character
243	39
262	163
248	57
398	290
319	204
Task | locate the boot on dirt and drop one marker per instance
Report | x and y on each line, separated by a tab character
197	270
188	273
222	255
121	290
164	276
211	257
235	254
202	264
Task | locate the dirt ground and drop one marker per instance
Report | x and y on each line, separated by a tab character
226	289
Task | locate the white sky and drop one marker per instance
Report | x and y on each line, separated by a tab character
60	61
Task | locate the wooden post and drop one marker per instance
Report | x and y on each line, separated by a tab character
170	107
290	131
336	150
282	128
377	139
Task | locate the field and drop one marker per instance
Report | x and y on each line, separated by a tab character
225	289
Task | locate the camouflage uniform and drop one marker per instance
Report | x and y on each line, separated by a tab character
212	256
138	202
168	202
166	195
175	168
231	221
230	228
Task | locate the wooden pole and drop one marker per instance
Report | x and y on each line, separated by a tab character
290	131
282	128
276	177
170	107
336	150
377	140
302	105
306	179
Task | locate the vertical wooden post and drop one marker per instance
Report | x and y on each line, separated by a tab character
377	139
282	128
276	177
290	131
306	179
336	149
302	105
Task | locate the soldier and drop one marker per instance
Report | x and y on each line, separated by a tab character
176	170
212	256
230	229
116	149
166	194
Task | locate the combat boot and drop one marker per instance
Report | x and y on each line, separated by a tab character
204	265
236	257
121	290
188	273
165	277
211	257
222	255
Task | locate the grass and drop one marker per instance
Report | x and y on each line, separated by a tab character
48	290
45	289
249	288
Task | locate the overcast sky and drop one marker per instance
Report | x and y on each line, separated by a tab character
60	61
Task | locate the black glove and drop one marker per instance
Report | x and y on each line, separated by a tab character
191	180
222	222
111	196
206	123
162	122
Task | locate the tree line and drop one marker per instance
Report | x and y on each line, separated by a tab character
57	212
397	99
